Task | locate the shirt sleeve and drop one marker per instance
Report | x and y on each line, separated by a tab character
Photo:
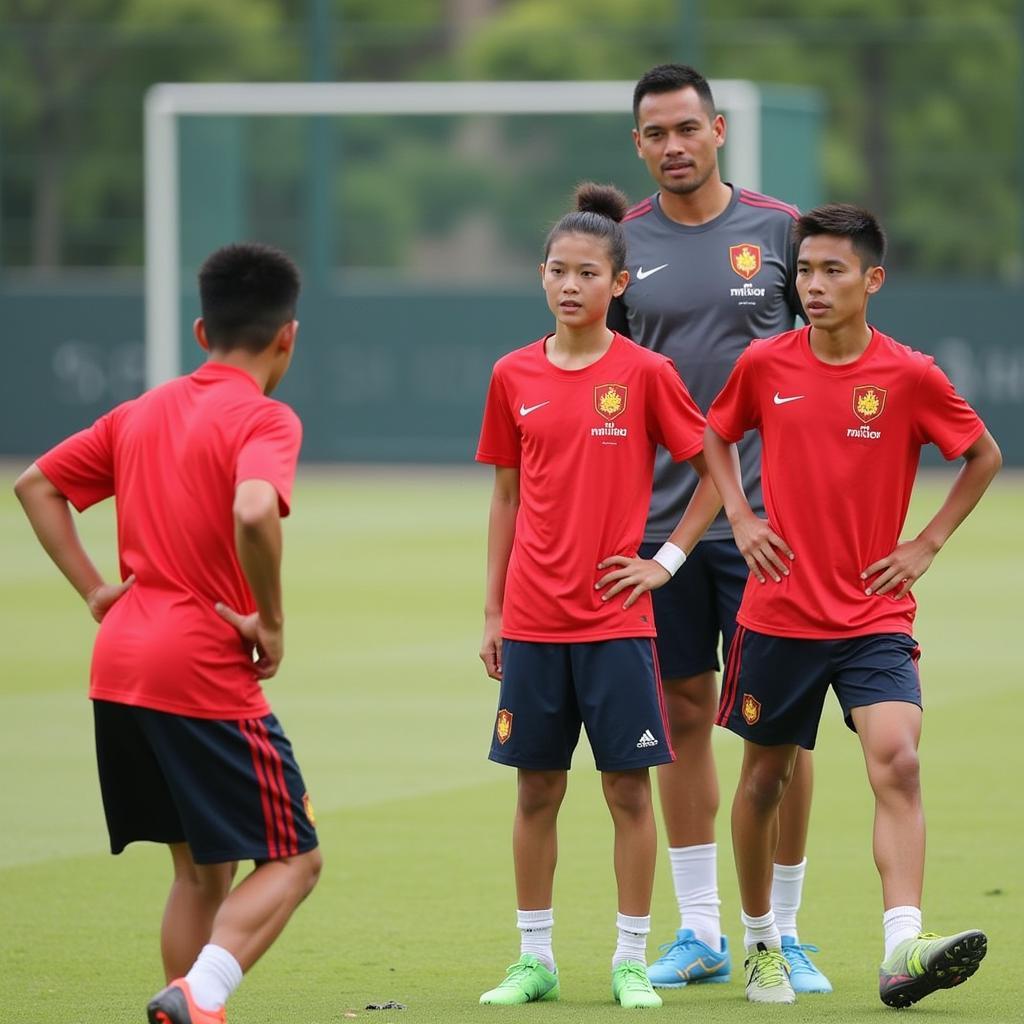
271	452
81	467
499	436
735	410
673	418
943	417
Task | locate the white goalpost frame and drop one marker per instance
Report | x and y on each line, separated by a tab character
166	102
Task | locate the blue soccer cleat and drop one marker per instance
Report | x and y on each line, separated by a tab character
688	961
803	975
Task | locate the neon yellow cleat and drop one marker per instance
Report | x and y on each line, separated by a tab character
918	967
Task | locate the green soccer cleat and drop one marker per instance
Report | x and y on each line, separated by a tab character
918	967
526	981
632	988
768	976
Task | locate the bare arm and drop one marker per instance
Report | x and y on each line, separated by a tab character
501	531
258	544
910	559
50	515
761	547
643	574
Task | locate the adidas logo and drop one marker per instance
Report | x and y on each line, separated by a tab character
647	740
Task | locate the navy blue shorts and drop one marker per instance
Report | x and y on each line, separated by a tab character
697	607
612	687
230	789
774	687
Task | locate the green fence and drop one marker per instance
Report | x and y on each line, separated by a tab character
391	379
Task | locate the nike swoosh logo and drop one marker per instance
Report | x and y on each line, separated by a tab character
524	411
779	400
642	275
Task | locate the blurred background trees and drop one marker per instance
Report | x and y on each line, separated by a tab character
924	120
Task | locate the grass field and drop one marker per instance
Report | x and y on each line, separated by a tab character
390	713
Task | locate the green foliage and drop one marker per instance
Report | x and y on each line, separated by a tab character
576	39
923	103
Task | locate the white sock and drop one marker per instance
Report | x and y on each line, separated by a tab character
900	923
787	888
213	977
761	929
695	877
632	944
535	927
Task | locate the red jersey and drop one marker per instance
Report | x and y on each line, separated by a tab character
173	458
841	449
584	442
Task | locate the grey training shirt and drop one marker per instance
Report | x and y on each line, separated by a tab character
699	295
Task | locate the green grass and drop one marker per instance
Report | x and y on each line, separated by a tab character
390	713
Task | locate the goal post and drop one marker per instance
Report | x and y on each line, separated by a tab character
167	103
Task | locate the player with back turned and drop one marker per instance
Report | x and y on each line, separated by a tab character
571	425
843	412
711	266
189	754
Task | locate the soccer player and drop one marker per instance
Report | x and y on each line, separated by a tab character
201	470
711	266
571	425
843	412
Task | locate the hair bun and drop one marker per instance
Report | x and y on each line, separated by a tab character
605	200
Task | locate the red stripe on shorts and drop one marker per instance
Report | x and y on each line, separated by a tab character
261	777
732	677
275	785
291	837
661	700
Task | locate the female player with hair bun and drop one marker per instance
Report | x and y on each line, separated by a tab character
571	425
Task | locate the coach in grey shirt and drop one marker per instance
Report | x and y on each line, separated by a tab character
711	266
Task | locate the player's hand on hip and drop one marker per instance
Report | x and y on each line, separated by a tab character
764	551
642	574
490	649
267	641
900	570
102	598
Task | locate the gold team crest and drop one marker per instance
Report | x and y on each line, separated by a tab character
307	806
745	259
868	402
504	727
751	709
610	400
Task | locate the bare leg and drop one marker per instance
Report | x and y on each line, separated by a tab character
795	811
889	734
192	904
535	836
254	913
688	788
628	795
764	776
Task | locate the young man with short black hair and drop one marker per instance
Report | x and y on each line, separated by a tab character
189	754
843	412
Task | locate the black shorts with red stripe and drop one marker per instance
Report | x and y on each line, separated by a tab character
774	687
231	789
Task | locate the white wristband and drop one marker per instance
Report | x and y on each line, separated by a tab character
670	557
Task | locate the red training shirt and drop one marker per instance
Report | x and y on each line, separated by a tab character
584	442
841	449
172	458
